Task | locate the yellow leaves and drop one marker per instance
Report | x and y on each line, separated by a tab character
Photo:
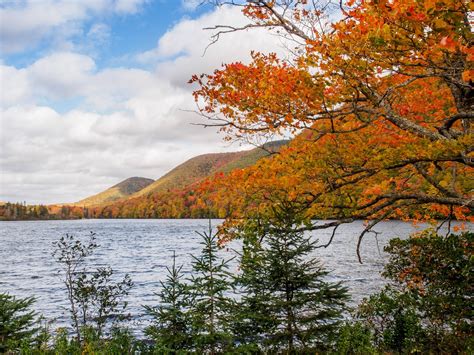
439	24
444	183
386	32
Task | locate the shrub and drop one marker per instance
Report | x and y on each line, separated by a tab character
94	297
428	305
355	338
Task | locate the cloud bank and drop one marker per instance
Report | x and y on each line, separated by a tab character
70	128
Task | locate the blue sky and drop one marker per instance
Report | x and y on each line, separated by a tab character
127	33
95	91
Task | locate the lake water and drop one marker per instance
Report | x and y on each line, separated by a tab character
144	248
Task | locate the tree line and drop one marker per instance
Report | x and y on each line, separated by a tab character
20	211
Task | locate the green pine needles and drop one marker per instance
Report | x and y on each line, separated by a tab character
287	305
210	309
171	328
281	300
19	324
195	315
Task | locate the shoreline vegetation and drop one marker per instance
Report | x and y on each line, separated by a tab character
23	212
278	302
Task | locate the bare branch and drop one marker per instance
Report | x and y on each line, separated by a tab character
330	239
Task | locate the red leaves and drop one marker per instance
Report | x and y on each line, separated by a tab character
373	94
448	43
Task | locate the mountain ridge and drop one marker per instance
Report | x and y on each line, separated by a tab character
189	172
116	192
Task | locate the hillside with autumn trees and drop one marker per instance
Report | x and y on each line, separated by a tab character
180	193
119	191
183	192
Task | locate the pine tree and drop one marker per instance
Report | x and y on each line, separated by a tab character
211	306
18	323
172	326
251	323
288	304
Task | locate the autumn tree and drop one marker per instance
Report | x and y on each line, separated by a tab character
379	95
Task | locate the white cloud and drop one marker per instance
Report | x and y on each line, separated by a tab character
24	24
61	75
128	122
186	49
191	5
128	6
14	86
98	33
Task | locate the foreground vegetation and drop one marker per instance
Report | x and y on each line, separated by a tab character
279	302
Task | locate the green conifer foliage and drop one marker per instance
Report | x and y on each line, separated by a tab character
172	323
287	304
18	323
211	304
252	323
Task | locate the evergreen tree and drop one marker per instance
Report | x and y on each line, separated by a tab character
211	306
19	325
286	304
171	328
251	323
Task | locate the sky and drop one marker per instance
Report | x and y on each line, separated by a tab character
95	91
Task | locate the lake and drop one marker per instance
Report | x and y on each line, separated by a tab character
144	248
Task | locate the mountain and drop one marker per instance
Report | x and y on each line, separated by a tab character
174	195
122	190
203	166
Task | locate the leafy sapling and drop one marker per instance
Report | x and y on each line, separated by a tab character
94	296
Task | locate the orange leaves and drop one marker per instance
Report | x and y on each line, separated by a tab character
373	104
469	52
468	75
268	93
448	43
256	12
